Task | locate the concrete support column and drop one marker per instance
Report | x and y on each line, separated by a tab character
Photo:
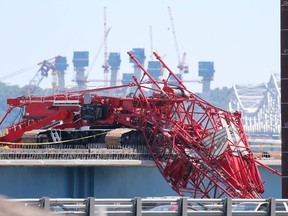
80	182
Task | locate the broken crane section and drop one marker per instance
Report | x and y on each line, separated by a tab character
201	150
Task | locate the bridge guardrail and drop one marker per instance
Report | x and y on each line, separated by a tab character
143	206
100	151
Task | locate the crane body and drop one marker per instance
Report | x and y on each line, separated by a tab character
200	150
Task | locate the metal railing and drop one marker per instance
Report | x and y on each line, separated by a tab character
90	151
145	206
98	151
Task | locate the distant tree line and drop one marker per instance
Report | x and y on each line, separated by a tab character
7	91
219	97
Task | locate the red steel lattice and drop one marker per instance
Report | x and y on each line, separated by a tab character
201	150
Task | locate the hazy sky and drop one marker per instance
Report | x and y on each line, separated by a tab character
241	37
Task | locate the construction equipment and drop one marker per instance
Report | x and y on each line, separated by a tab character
81	77
81	60
154	67
56	65
182	65
106	64
201	150
151	44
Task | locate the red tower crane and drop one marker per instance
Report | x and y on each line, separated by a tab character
201	150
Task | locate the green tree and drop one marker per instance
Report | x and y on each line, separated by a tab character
219	97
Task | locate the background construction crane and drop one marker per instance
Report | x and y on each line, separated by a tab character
81	78
57	65
96	56
45	67
106	63
182	65
151	44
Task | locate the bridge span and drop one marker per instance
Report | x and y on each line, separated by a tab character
260	107
134	175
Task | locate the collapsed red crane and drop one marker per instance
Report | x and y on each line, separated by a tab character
201	150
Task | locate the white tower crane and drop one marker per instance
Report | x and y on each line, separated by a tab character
183	67
106	64
151	44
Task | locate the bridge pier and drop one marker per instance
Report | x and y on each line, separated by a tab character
98	181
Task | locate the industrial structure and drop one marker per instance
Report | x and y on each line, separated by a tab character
80	62
114	63
206	71
60	68
200	150
260	108
139	53
155	69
